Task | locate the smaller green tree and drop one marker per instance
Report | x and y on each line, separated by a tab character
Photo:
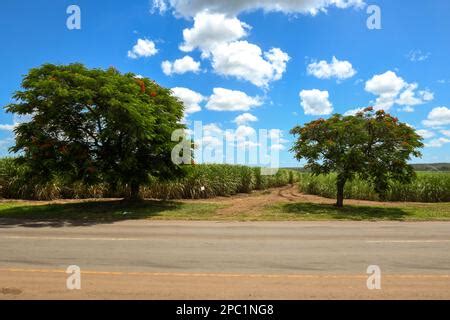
371	145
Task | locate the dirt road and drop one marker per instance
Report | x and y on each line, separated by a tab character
257	201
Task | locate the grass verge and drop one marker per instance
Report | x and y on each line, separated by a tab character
116	210
402	212
108	211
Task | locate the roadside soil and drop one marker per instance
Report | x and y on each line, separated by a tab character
257	200
248	203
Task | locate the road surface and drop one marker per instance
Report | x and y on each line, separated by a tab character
225	260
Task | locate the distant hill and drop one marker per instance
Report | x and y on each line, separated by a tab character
417	167
432	167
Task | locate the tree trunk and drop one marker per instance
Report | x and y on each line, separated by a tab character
340	192
134	194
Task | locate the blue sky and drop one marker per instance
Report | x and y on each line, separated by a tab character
402	67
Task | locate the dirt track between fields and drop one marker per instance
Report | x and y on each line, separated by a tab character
243	202
256	201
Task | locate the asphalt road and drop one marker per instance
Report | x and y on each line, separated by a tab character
223	260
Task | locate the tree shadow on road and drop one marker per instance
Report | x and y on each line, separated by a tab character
349	212
85	213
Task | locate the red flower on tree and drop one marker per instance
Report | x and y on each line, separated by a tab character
141	84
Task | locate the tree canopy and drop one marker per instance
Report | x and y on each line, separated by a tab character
372	145
95	125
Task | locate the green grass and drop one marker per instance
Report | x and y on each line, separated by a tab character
108	211
401	212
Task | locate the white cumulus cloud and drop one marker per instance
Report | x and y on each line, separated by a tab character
231	100
386	86
409	97
190	99
437	143
439	116
392	89
189	8
353	112
8	127
244	131
180	66
335	69
277	134
246	61
212	129
277	146
211	29
143	48
219	38
245	118
315	102
426	134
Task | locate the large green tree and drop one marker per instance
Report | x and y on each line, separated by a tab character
371	145
95	125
